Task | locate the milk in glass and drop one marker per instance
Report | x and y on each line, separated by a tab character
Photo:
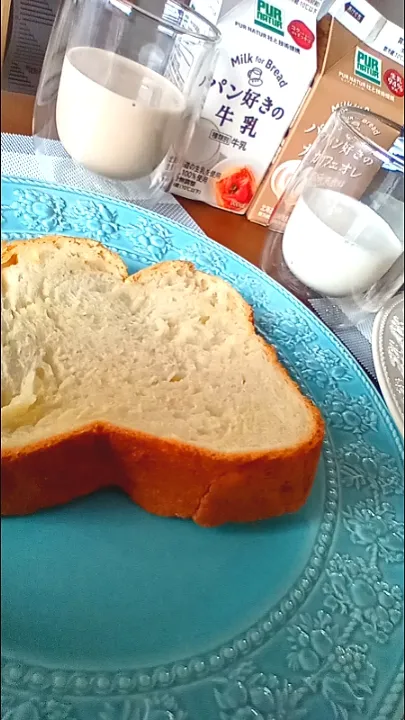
336	245
114	116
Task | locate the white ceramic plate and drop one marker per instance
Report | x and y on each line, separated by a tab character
388	354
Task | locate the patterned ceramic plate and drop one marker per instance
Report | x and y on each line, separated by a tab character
113	614
388	354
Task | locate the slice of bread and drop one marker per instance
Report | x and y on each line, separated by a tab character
156	383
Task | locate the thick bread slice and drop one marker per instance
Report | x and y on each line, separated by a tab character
156	383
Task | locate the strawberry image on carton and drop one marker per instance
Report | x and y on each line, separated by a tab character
265	65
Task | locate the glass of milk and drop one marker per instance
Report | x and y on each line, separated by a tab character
336	236
120	92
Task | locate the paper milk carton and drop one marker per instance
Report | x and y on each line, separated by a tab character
266	62
360	63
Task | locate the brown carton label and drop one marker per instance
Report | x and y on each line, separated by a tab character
350	75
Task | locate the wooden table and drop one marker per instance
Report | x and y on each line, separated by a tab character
233	231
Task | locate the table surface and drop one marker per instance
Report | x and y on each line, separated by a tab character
233	231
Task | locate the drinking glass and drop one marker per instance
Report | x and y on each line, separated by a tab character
122	88
337	232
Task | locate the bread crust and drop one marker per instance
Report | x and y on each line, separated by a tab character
166	477
112	261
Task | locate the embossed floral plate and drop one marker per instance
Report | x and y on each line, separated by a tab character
388	355
113	614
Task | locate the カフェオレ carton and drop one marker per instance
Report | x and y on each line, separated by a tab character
351	71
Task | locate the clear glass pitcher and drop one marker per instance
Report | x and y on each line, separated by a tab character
121	90
337	232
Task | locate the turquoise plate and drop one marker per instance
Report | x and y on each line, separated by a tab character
112	614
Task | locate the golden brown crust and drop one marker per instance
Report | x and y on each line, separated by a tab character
165	477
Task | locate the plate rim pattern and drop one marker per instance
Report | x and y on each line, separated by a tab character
40	679
380	360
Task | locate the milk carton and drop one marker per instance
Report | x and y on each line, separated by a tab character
360	64
266	63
